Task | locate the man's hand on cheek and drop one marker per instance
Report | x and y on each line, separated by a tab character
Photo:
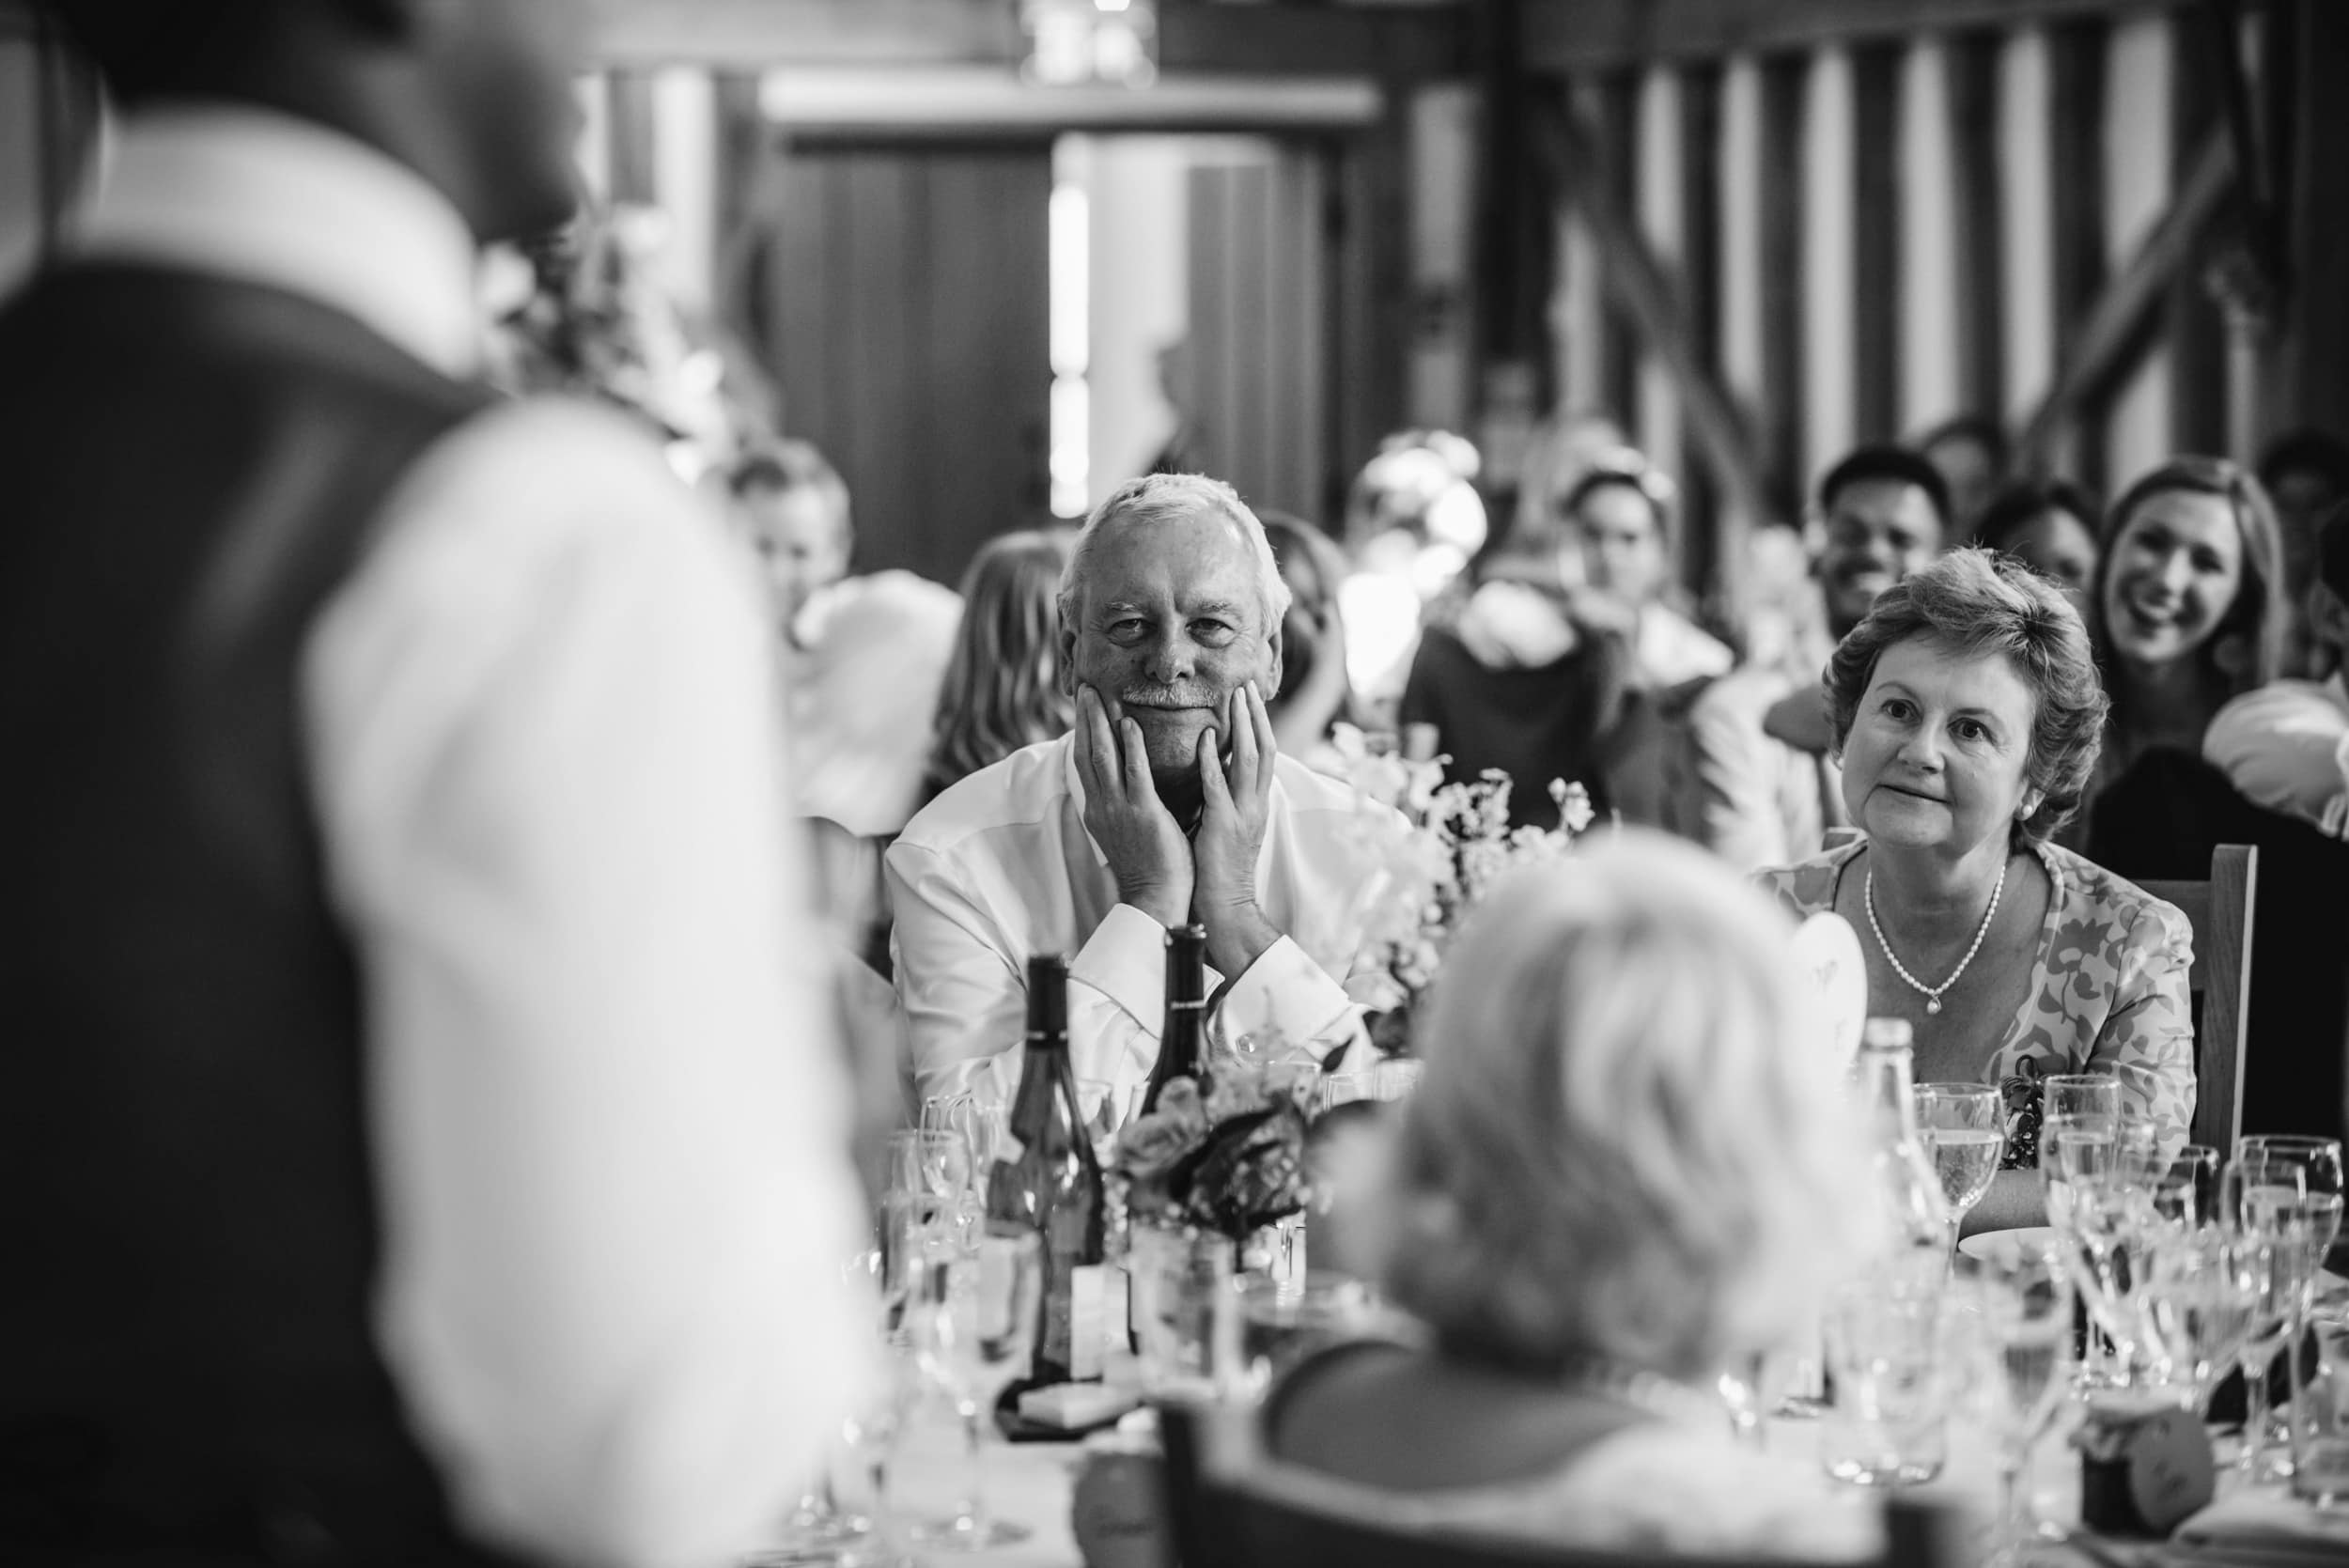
1146	847
1237	804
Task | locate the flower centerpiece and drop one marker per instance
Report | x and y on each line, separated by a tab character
1440	847
1205	1174
1231	1162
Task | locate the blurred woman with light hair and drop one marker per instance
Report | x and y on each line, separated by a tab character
1631	1167
1003	687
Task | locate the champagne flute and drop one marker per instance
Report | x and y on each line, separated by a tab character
1961	1124
2026	1319
2292	1194
985	1300
932	1160
2252	1212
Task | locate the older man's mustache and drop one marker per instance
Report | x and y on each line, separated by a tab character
1168	696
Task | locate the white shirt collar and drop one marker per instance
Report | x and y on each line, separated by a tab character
272	199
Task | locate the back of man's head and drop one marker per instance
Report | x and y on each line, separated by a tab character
1887	462
472	95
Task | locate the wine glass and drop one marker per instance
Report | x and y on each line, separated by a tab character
982	1304
2186	1192
2026	1322
2202	1299
1962	1124
2090	1209
932	1160
982	1120
2088	1096
2288	1192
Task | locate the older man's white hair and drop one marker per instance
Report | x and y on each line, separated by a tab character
1156	498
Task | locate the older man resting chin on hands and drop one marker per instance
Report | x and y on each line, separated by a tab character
1169	802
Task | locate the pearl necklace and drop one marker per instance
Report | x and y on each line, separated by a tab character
1932	993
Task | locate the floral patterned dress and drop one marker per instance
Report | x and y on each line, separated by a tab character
2107	993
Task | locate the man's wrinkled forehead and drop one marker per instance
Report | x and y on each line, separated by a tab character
1141	560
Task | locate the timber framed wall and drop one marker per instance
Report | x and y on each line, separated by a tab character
1876	216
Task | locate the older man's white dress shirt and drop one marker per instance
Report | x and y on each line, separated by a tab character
606	1106
1001	867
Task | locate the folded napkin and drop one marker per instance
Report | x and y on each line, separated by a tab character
2263	1529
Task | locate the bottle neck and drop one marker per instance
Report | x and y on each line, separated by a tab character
1886	1079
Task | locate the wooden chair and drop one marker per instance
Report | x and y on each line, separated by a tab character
2219	910
1232	1506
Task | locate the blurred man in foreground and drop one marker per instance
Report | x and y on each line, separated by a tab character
416	1147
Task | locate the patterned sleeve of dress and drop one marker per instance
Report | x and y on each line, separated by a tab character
2148	1036
1801	889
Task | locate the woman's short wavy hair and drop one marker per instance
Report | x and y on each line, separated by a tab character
1971	604
1631	1141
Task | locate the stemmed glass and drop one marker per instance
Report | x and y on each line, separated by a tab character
1962	1127
982	1121
2202	1301
2086	1206
927	1196
976	1327
2286	1190
2026	1320
1107	1108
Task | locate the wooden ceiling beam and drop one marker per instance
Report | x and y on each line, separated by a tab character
1277	39
1596	34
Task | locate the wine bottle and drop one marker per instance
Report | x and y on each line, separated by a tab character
1047	1177
1182	1039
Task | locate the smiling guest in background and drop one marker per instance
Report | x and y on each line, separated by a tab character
1968	714
2050	526
2189	612
1169	803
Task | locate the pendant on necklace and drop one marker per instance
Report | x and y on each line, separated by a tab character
1933	1004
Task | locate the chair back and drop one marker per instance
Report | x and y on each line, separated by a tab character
2219	910
1233	1506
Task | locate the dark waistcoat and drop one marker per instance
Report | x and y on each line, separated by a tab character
189	468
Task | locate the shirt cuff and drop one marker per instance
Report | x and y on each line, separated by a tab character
1285	992
1125	959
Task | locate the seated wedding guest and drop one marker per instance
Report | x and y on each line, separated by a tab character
1622	513
1315	693
1171	802
2050	526
1413	520
2190	614
1967	714
2285	746
1532	675
864	656
1759	785
1004	688
425	1142
1628	1171
2283	753
1970	450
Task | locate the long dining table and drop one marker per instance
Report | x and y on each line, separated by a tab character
1033	1484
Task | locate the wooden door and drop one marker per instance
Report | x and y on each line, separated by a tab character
899	296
